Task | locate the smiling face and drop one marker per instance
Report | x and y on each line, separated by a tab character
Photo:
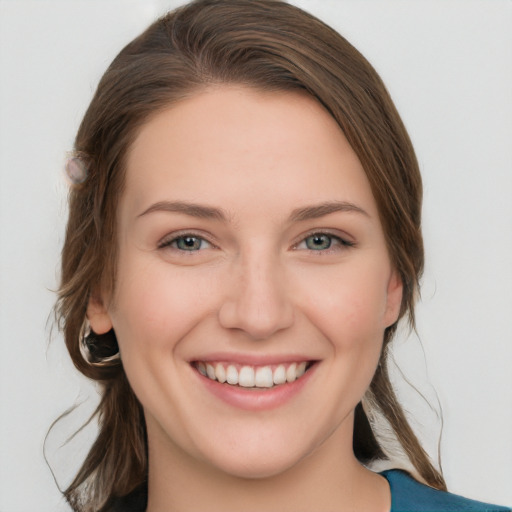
254	284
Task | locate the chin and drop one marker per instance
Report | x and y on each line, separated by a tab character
263	456
257	468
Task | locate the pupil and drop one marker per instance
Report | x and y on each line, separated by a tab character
189	242
319	242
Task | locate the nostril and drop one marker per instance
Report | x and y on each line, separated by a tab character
257	300
258	321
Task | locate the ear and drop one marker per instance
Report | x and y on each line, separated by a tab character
393	298
97	314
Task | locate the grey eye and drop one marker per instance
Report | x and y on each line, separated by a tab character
318	242
188	243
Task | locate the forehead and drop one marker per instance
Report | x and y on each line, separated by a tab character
225	143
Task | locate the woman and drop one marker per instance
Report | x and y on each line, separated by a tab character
244	235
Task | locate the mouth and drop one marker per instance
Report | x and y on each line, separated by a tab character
258	377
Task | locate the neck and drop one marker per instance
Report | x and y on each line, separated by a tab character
329	478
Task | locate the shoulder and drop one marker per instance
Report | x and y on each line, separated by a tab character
408	495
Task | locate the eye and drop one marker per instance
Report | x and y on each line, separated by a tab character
186	242
318	242
323	242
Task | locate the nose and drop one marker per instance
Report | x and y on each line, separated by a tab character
257	300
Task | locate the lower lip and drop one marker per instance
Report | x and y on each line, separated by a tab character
257	399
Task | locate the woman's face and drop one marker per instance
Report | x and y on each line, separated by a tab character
250	249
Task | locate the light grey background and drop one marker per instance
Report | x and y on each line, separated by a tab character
447	64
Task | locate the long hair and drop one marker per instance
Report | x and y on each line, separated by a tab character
267	45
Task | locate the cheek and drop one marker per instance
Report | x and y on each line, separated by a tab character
349	305
156	305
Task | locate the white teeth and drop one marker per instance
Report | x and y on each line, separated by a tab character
250	376
201	368
246	377
280	374
220	373
291	372
263	377
231	375
210	371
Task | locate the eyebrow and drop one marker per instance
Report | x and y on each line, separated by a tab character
209	212
317	211
191	209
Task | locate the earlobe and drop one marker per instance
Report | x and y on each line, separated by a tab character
393	299
98	316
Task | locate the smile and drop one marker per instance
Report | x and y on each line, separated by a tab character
252	376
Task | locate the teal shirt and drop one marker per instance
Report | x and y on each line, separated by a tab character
408	495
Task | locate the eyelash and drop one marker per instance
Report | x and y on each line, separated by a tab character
167	243
340	243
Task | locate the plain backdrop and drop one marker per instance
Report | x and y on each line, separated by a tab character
447	64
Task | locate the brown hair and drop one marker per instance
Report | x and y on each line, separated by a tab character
268	45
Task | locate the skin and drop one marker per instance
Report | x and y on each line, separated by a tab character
253	287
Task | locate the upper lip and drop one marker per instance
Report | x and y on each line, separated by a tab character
252	359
